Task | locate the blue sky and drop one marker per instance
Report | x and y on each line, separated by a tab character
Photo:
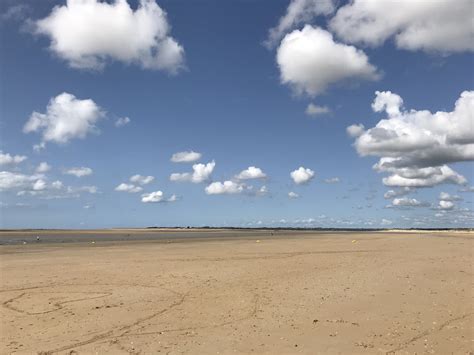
230	90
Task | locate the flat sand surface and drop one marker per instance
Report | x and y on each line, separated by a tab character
313	292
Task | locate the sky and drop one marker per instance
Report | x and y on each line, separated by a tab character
252	113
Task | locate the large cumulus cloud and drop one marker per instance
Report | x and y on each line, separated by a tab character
415	146
88	33
310	61
434	26
66	118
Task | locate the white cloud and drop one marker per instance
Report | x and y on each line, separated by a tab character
185	157
201	173
396	193
173	198
415	146
298	11
137	180
142	180
445	205
90	189
66	118
43	167
88	33
233	187
310	61
39	185
180	177
408	202
123	187
302	175
442	25
122	121
422	177
11	181
79	171
262	191
57	185
446	201
226	187
333	180
386	222
387	101
355	130
6	158
447	197
156	197
152	197
292	195
315	110
39	147
251	172
444	196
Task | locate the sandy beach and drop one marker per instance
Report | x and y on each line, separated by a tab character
238	293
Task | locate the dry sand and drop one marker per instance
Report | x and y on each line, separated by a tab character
352	293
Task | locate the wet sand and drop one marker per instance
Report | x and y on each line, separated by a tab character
140	235
237	292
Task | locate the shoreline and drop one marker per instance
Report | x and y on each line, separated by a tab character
167	235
